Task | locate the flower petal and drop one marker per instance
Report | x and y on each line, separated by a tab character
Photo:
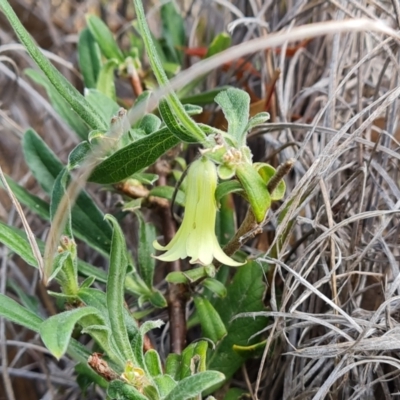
219	254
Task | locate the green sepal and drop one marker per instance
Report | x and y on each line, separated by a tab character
267	172
256	191
191	275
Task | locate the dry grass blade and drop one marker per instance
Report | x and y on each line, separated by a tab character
27	228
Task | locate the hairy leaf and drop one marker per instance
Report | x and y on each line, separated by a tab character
195	384
134	157
56	331
89	58
115	290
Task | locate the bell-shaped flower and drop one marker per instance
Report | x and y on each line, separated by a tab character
196	236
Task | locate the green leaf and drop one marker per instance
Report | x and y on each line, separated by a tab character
94	298
34	203
58	192
245	294
56	331
106	106
204	98
15	239
258	119
78	155
226	172
165	383
153	362
149	123
194	385
173	365
89	58
105	81
173	32
196	351
31	302
172	123
86	376
14	312
61	84
18	244
234	394
87	220
215	286
145	178
115	290
225	188
156	299
256	190
220	43
210	321
118	390
193	109
67	278
167	192
149	325
255	350
151	392
104	38
146	261
98	299
60	105
182	116
42	162
235	104
138	340
134	157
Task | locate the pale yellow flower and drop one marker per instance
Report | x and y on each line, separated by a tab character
196	236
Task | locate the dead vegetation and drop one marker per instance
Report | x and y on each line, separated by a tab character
332	325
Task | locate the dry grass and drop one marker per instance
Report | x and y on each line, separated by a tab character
334	298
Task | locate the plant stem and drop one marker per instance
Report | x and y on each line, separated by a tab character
178	294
